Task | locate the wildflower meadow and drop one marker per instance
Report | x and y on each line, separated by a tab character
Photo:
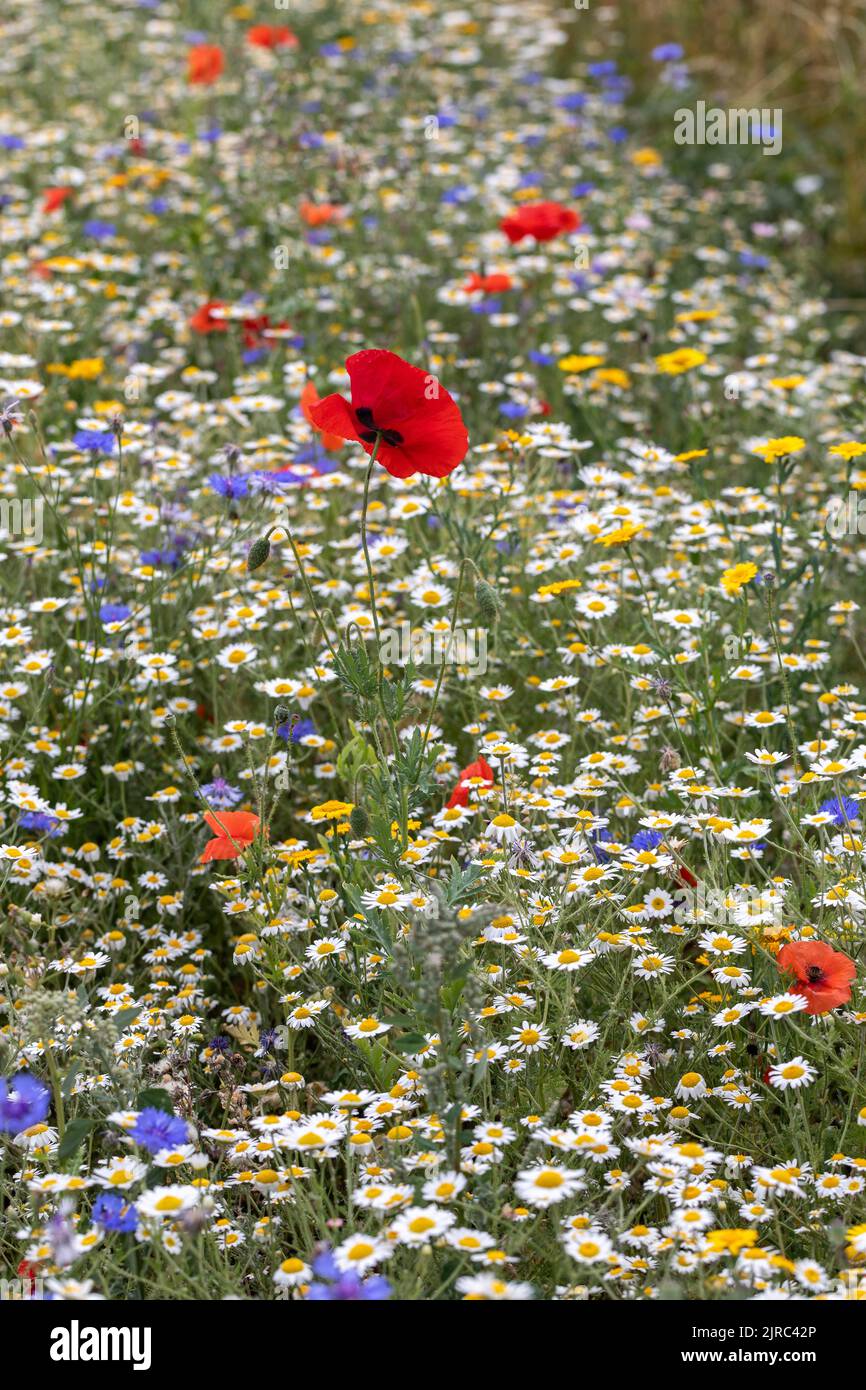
432	667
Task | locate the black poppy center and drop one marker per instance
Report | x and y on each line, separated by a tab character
814	974
370	429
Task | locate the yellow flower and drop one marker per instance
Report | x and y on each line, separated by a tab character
621	536
674	363
611	376
734	578
732	1240
851	449
82	369
575	363
646	158
331	810
787	383
560	587
780	448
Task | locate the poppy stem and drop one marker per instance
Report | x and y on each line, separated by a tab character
392	728
364	546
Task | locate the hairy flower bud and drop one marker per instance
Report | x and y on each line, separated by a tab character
488	601
258	553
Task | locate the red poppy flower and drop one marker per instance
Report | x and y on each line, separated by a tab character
209	318
234	831
29	1270
419	426
271	36
823	975
54	198
255	331
319	214
309	398
460	794
489	284
543	221
205	63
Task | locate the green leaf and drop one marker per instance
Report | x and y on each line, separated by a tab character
76	1132
410	1042
154	1099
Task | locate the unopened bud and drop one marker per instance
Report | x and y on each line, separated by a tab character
488	601
360	822
281	715
258	553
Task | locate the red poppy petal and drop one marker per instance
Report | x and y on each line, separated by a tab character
435	441
391	388
219	849
334	415
237	825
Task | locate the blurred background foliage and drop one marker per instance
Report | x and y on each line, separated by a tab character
806	58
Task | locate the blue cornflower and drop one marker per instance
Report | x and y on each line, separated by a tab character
296	731
841	808
232	487
604	69
99	230
667	53
486	306
646	839
114	613
156	1129
221	794
24	1101
97	441
596	839
114	1214
40	821
460	193
344	1287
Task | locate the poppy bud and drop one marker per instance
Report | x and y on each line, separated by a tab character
359	821
258	553
488	601
281	715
